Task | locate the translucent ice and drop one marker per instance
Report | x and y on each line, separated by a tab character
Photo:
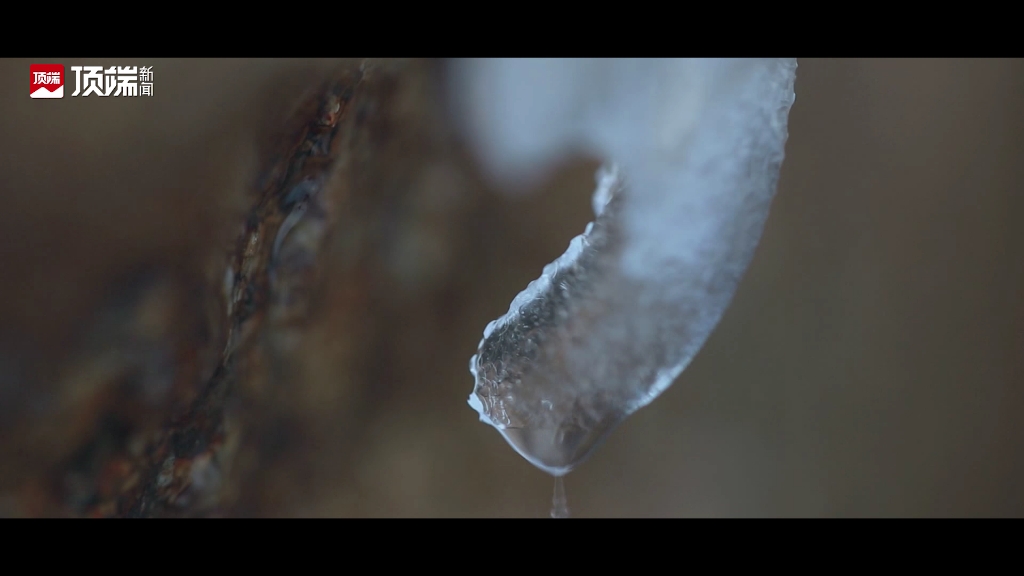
612	322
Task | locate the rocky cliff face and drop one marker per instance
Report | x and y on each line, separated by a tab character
209	383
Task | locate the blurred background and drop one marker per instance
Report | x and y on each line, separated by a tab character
870	365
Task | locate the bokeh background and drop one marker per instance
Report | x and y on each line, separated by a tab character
870	365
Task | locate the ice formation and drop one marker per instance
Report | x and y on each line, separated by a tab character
697	146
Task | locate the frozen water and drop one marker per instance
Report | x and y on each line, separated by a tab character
612	322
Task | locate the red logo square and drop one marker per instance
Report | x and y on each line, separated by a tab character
47	80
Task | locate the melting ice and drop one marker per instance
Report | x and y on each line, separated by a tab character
697	146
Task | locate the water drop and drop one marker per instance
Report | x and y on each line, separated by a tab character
559	505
